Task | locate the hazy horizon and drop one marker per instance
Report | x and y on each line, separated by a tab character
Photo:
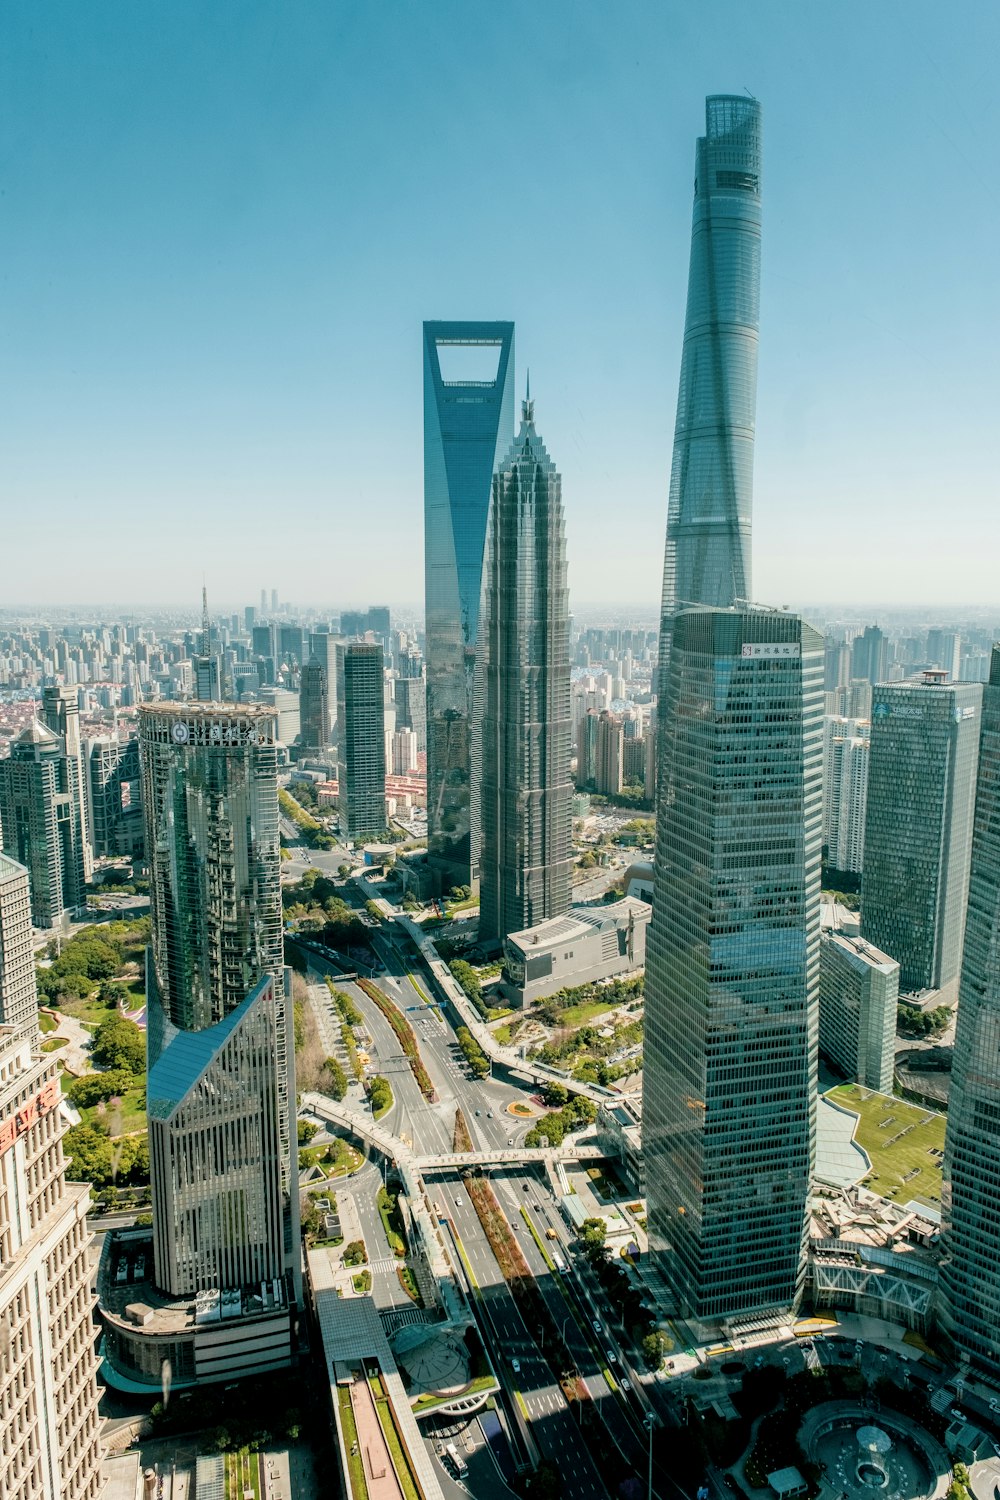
224	232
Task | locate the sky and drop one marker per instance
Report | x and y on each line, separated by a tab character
224	224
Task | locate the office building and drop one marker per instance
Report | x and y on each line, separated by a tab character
18	999
609	755
870	656
523	723
845	792
287	705
323	648
970	1267
409	696
50	1446
707	559
468	427
221	1062
61	714
918	825
586	747
314	708
650	765
39	821
732	965
944	650
858	995
361	750
114	797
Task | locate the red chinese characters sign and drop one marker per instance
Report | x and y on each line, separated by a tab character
30	1111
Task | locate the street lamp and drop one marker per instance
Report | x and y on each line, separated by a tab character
650	1422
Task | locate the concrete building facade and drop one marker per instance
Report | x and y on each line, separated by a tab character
588	943
50	1446
858	996
845	791
18	997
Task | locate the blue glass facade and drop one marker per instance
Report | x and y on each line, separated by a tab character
732	964
468	427
970	1278
707	559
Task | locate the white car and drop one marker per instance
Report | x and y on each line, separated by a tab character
612	1357
597	1325
624	1384
515	1365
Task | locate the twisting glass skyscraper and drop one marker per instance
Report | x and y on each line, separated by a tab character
707	558
468	426
523	696
732	964
970	1268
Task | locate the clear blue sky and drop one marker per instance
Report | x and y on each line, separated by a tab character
224	224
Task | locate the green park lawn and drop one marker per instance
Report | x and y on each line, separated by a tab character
580	1015
903	1166
129	1117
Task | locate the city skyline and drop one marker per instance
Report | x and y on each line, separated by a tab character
136	268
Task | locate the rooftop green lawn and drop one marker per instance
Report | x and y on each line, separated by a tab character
588	1010
899	1139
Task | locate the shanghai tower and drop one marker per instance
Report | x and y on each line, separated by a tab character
707	559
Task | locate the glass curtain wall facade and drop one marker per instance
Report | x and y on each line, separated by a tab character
732	964
970	1268
210	797
361	754
523	716
918	825
468	428
40	823
707	558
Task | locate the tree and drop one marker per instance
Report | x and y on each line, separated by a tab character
379	1093
119	1044
343	871
555	1094
112	993
654	1348
95	1087
593	1232
334	1079
305	1131
91	1158
354	1253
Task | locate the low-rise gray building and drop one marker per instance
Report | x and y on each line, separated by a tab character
858	994
588	943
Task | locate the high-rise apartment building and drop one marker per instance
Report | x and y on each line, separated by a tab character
586	746
732	964
609	754
970	1267
50	1431
845	791
18	997
361	750
707	559
221	1062
523	721
858	993
918	825
40	823
468	427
